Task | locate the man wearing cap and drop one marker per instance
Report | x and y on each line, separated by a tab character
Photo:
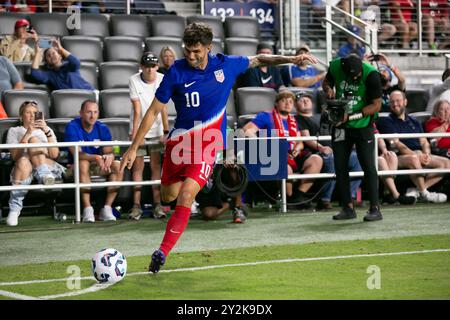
263	76
359	82
14	47
352	45
142	87
304	75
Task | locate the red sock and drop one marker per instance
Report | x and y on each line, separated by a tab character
175	227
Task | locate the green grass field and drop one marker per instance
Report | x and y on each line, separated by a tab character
298	255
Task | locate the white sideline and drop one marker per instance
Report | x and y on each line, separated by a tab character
98	287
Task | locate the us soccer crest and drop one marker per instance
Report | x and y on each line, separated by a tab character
220	76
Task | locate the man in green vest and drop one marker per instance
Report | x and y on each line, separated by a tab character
359	82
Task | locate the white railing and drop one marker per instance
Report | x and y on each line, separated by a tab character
77	185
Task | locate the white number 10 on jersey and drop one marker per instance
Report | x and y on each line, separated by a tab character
192	99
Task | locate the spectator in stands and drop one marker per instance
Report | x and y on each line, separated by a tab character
387	72
385	30
25	6
15	46
303	75
142	87
9	76
312	126
31	162
62	68
403	14
440	91
96	6
299	159
267	76
414	153
440	122
352	45
435	21
387	160
167	57
94	160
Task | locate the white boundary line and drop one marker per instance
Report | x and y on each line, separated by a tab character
97	287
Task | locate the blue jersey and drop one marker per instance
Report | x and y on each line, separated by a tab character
264	121
74	132
200	96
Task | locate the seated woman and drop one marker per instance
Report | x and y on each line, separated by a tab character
439	122
31	162
62	69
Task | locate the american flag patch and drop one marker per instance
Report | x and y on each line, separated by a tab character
219	75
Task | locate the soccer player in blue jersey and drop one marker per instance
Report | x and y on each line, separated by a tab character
199	85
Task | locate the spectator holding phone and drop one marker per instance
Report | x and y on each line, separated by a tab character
15	46
62	69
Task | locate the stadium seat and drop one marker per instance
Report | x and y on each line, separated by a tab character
129	25
116	74
66	103
84	48
8	20
58	125
217	46
214	22
115	103
89	72
155	44
252	100
12	99
123	48
5	124
50	24
421	116
241	46
417	100
119	128
24	69
92	25
231	109
167	25
241	27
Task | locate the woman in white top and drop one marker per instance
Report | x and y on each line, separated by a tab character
31	162
143	86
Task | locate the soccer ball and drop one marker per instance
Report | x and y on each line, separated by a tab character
109	266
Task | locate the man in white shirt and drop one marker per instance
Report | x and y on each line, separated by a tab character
143	86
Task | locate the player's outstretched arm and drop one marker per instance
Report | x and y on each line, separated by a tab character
270	59
149	118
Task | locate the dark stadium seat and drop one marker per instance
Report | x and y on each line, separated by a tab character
241	46
115	103
58	125
119	128
5	124
24	69
50	24
231	109
167	25
251	100
417	99
8	20
213	21
155	44
93	25
12	99
89	72
66	103
421	116
116	74
241	27
217	46
84	48
123	48
129	25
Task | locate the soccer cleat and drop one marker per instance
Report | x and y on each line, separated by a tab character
345	214
135	213
13	219
158	213
373	214
88	214
433	196
158	260
106	214
239	215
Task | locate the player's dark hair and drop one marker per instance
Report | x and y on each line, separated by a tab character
197	32
85	102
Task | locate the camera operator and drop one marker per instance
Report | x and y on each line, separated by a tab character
360	84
